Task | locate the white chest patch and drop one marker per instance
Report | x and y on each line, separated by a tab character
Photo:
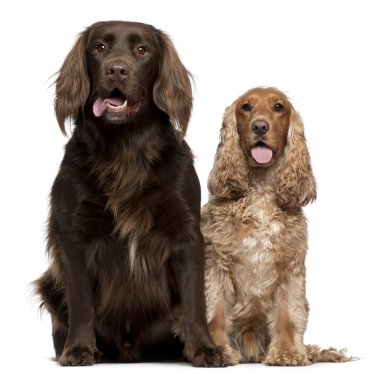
256	274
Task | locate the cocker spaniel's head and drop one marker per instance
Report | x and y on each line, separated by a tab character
262	120
262	131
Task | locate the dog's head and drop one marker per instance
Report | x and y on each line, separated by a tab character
263	120
261	130
117	71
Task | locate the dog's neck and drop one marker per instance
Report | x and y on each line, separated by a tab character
122	160
263	180
260	175
263	175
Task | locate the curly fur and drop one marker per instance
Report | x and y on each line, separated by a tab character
296	185
229	176
256	237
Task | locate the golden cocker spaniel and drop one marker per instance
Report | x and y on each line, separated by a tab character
256	234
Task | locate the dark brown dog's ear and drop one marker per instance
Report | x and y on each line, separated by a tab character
72	85
228	178
296	184
172	92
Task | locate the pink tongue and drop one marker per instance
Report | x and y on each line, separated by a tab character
100	107
262	155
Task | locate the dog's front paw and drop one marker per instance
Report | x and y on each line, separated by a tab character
216	357
230	356
290	357
77	356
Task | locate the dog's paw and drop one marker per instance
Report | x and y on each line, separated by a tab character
77	356
290	357
216	357
230	356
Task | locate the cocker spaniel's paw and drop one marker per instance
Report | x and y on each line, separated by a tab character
216	357
77	356
230	355
290	357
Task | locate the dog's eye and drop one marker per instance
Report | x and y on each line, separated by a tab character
278	107
246	107
141	50
100	47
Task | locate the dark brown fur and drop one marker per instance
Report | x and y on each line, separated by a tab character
124	241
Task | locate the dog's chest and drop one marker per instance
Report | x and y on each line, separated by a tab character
258	247
129	279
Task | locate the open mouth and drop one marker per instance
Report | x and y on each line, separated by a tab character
261	153
115	104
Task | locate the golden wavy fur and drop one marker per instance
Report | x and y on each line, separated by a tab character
256	234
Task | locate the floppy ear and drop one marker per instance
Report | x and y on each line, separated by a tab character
172	92
229	176
72	85
296	185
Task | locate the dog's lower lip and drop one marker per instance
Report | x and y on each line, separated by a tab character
123	115
115	106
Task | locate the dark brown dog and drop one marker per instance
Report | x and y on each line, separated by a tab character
123	236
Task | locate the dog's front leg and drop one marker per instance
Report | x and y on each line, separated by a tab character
287	324
80	346
187	261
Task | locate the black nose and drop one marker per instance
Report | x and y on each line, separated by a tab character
117	71
260	127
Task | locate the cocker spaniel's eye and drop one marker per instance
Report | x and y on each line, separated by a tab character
246	107
100	47
278	107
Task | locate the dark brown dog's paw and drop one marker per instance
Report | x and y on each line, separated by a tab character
217	357
77	356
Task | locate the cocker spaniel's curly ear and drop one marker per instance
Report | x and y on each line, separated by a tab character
229	176
296	185
72	85
172	92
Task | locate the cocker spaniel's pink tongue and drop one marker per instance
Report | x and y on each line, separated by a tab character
100	105
261	154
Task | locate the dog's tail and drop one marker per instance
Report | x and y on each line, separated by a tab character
316	354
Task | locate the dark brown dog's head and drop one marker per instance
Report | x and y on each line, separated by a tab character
119	70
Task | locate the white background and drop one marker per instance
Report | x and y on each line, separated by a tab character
323	54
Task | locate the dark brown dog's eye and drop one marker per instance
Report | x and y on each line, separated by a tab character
141	50
278	107
100	47
246	107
